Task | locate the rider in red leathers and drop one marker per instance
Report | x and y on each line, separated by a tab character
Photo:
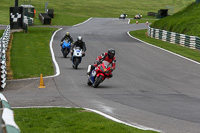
109	57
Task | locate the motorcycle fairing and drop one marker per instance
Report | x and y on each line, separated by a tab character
66	45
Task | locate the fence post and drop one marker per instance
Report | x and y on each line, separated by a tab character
160	34
157	33
192	42
173	37
182	39
164	35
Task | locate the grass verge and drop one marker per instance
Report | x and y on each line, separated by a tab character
184	51
185	21
30	53
76	11
67	120
1	33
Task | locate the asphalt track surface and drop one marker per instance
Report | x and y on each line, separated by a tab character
150	87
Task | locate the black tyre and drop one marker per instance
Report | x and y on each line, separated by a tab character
76	62
98	81
65	52
89	83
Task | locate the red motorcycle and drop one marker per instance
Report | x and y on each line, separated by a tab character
99	74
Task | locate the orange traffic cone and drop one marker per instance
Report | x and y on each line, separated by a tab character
41	82
147	23
136	22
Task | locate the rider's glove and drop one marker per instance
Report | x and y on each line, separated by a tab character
61	43
101	60
98	62
110	76
83	54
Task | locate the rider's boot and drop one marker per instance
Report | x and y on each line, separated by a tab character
89	70
71	56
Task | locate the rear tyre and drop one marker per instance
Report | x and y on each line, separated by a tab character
98	81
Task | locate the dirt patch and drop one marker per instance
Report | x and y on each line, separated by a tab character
8	67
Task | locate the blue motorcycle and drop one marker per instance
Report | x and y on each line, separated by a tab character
66	45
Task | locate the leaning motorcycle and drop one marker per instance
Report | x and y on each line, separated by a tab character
66	45
99	74
77	57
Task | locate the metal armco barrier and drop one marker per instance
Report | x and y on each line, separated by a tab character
7	122
4	40
192	42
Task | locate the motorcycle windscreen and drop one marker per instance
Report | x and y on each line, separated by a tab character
77	52
106	63
65	45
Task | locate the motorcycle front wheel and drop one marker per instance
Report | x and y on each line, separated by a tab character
89	82
98	81
76	62
65	52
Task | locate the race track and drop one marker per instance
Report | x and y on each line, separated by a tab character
150	87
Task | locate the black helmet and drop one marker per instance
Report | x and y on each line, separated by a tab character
111	53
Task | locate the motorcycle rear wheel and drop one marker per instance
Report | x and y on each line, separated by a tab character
98	81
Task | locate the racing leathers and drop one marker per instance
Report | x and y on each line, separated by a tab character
67	37
103	57
80	44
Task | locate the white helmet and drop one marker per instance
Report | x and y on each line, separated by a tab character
79	38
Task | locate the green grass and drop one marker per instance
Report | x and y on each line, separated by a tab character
76	11
30	53
30	56
186	21
1	33
184	51
67	120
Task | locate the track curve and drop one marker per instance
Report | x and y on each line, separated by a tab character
150	87
147	81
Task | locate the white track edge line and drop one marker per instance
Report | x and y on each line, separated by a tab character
83	22
135	125
129	20
163	49
53	58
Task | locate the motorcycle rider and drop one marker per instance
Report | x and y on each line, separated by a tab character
79	43
66	37
109	57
